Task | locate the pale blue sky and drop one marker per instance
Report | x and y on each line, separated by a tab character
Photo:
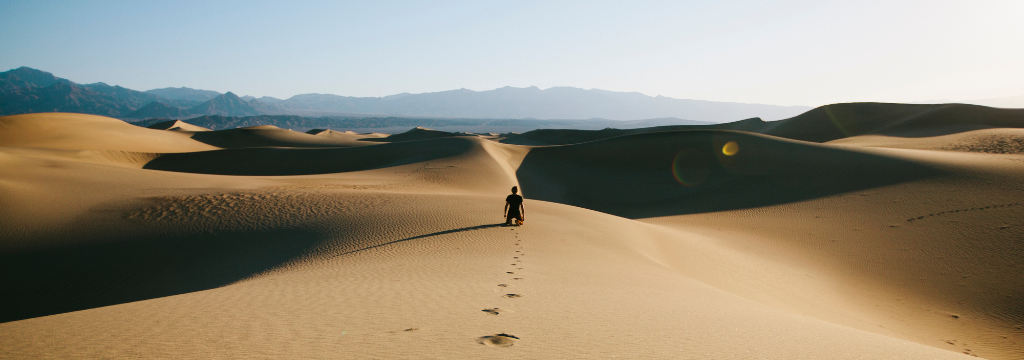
774	52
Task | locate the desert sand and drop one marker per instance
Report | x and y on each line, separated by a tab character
854	231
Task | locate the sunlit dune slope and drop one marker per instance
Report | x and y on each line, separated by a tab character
90	132
177	125
347	135
992	141
329	270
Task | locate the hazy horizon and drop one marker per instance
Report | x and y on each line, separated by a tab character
788	53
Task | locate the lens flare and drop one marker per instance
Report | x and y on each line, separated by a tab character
690	167
731	148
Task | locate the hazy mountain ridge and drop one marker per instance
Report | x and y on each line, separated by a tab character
26	90
532	102
158	109
22	94
184	93
400	124
60	96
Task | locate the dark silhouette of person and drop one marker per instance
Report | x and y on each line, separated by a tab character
514	208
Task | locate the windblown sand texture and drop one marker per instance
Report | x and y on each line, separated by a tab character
854	231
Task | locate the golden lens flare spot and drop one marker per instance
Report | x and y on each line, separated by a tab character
731	148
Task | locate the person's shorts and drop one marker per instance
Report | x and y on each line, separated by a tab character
515	215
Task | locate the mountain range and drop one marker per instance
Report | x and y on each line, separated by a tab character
27	90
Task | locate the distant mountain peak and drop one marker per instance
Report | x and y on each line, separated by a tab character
227	104
25	76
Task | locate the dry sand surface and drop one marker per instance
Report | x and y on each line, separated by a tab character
901	241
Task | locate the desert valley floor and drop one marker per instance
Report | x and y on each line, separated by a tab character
854	231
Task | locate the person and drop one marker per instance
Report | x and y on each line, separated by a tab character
514	208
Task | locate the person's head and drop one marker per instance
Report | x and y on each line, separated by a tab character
515	189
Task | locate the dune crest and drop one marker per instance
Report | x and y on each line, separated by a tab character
90	132
177	125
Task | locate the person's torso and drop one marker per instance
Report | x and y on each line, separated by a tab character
514	200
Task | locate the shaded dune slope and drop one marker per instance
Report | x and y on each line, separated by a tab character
305	161
837	121
686	172
115	269
573	136
823	124
268	135
416	134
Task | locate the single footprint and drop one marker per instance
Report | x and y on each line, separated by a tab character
494	311
499	340
502	285
513	295
509	272
517	278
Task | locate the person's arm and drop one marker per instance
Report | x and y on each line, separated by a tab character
505	213
522	210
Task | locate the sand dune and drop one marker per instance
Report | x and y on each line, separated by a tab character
694	243
306	161
824	124
685	172
90	132
992	141
838	121
416	134
267	136
177	125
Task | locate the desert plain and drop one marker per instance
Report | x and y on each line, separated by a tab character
853	231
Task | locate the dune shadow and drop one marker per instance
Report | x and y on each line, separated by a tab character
105	272
452	231
837	121
687	172
308	161
822	124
